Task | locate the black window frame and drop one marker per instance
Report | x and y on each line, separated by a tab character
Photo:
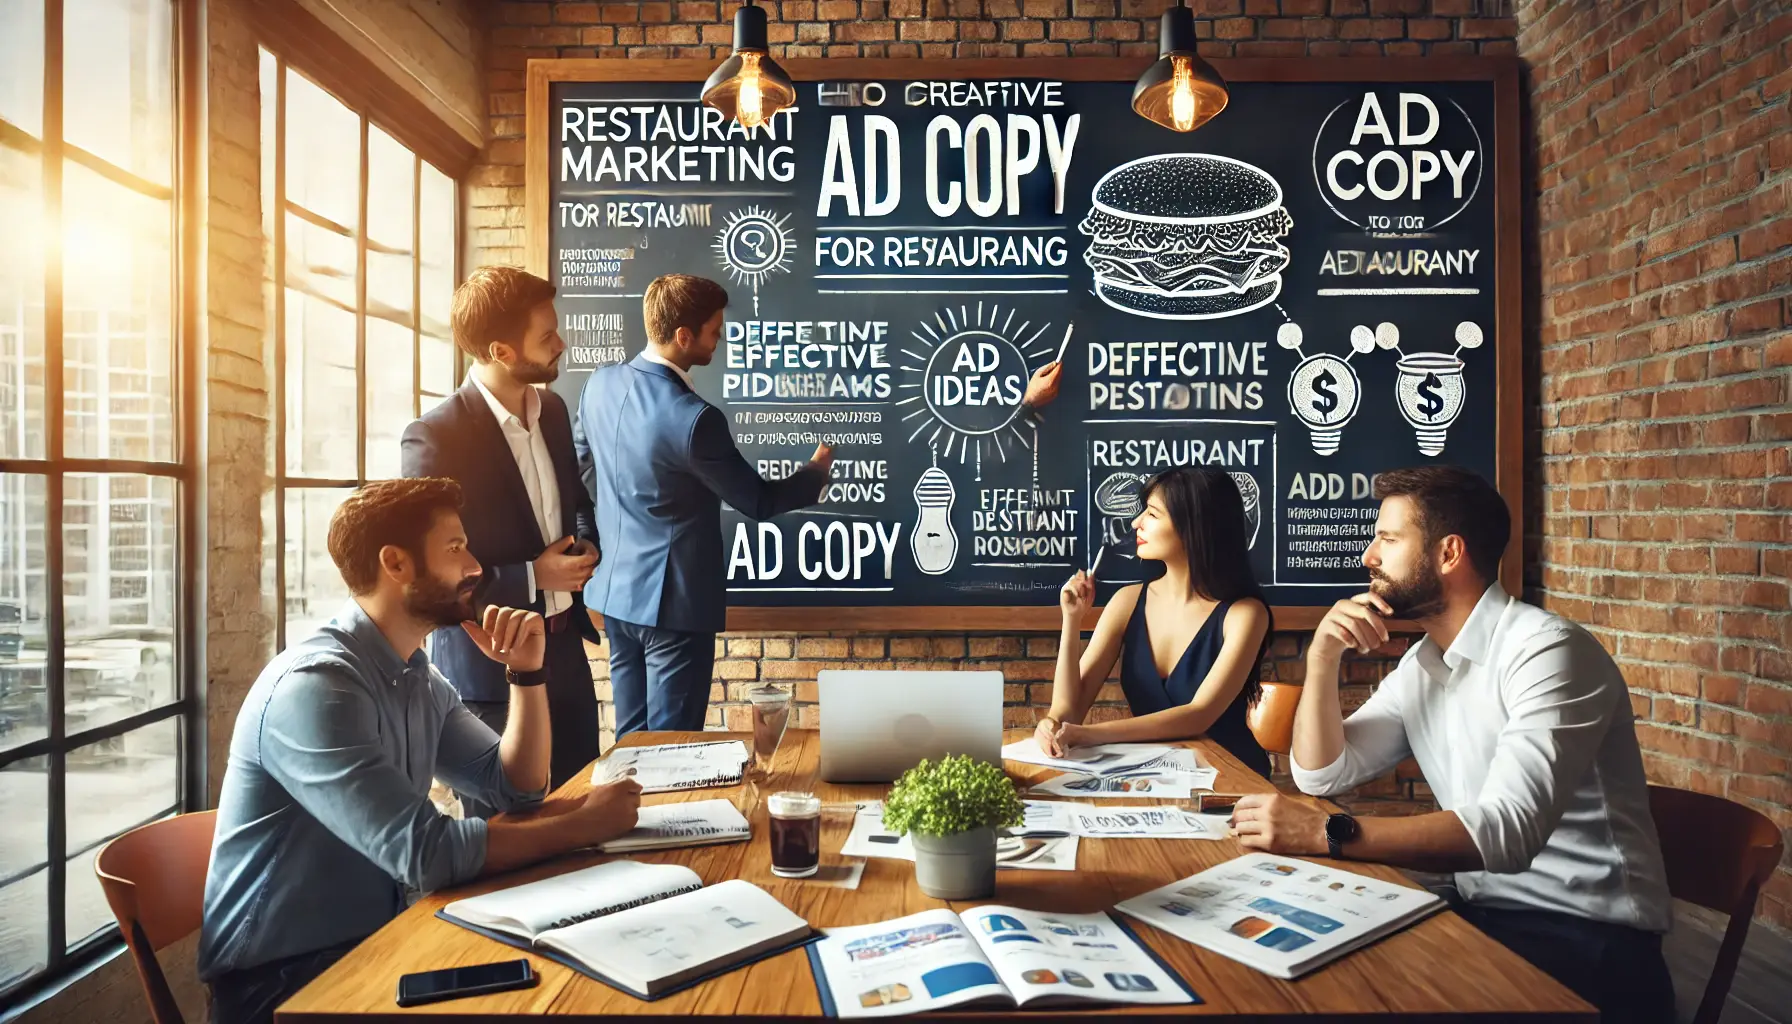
185	200
368	113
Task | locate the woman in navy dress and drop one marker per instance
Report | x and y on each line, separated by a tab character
1190	643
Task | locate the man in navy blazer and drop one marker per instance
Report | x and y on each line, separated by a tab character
661	461
528	517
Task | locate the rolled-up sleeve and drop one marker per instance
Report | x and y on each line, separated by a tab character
1374	742
320	741
1559	694
467	759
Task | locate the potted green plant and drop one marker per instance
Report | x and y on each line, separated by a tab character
951	809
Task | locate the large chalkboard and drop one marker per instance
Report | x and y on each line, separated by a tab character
1318	285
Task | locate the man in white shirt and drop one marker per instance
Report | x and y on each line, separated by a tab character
508	443
1522	726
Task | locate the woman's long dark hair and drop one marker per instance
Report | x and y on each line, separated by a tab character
1207	512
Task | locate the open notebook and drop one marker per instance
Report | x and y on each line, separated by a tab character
988	957
646	929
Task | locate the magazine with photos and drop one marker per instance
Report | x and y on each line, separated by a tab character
647	929
1283	917
988	956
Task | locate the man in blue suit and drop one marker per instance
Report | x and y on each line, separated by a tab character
660	462
528	518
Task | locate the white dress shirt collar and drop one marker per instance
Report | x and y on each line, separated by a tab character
654	357
1472	641
531	404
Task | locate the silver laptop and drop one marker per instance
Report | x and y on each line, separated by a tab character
875	725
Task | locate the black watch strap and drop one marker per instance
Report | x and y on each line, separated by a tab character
1339	829
535	678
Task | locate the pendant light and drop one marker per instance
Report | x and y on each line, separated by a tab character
1181	91
749	87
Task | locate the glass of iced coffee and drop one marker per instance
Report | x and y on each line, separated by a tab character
795	834
771	714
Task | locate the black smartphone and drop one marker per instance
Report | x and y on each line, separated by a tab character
455	982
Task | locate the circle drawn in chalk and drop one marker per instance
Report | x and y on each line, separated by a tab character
965	376
755	244
1324	391
1397	169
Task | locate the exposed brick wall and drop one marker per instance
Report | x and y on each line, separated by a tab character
930	28
239	629
1662	473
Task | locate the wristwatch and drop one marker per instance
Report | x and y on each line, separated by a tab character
535	678
1340	829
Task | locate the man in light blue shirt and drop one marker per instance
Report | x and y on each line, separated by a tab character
325	819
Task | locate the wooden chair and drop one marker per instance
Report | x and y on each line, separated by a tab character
154	879
1718	854
1271	719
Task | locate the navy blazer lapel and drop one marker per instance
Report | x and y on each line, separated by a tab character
506	477
556	430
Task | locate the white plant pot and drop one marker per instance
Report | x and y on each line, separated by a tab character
961	866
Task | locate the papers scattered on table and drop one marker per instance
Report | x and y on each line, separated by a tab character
1050	850
1119	770
699	823
1102	759
1163	786
1178	761
1141	823
1047	841
675	766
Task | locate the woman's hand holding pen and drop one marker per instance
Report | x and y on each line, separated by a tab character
1077	597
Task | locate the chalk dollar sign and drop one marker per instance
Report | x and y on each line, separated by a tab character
1325	396
1430	404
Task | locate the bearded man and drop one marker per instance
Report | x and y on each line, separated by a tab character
1522	725
508	442
324	820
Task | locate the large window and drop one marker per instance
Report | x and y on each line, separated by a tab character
97	528
361	240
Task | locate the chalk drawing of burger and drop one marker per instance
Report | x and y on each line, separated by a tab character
1187	236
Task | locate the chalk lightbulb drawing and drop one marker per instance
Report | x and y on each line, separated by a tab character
934	544
1324	390
965	377
1430	388
754	244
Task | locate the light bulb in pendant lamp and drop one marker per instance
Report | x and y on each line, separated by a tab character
749	87
1181	91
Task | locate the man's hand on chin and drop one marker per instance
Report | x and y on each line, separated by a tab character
513	637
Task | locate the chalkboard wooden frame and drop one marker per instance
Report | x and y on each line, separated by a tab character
1501	71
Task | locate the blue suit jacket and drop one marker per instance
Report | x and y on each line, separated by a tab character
660	461
460	439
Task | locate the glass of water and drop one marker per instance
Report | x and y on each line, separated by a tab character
771	715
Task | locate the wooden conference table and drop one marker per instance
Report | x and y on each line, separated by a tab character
1439	969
